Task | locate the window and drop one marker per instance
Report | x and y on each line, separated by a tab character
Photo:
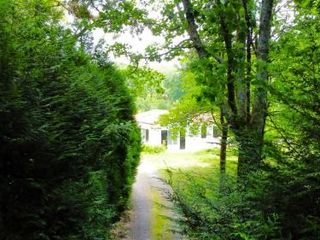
145	135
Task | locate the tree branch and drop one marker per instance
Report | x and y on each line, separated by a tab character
227	37
193	30
260	107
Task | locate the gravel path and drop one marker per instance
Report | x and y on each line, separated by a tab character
143	202
140	225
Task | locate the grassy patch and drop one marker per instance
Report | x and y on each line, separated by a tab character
195	178
160	224
153	149
180	160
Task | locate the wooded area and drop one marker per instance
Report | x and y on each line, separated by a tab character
69	144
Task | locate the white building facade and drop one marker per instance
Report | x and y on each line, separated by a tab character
153	134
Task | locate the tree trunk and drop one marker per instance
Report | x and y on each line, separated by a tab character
260	102
193	30
250	137
223	143
203	54
248	128
249	151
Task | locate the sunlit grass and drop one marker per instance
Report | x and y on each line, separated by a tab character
195	176
200	171
180	160
160	223
204	163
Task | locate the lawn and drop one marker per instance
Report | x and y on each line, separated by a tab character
195	179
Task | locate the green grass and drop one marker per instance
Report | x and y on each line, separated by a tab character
195	178
179	160
194	182
184	167
160	224
153	149
205	162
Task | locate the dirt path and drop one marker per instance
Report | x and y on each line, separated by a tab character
140	219
152	214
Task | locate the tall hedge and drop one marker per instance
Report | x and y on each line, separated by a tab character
69	145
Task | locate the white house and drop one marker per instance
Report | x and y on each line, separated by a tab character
155	135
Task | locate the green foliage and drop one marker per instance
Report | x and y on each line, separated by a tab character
313	5
280	200
144	81
152	89
295	150
193	107
215	211
147	86
69	143
153	149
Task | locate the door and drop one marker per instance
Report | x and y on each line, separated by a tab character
164	137
182	139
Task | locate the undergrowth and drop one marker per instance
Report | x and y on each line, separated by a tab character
216	208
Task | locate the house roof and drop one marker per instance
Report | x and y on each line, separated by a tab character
203	117
150	117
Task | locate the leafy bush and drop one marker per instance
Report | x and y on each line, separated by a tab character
69	145
214	212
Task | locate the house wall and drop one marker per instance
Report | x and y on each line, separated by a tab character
193	142
154	134
173	144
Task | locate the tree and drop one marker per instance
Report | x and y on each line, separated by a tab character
233	23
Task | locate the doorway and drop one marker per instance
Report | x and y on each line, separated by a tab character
164	137
183	139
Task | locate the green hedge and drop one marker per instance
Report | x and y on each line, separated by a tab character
69	145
